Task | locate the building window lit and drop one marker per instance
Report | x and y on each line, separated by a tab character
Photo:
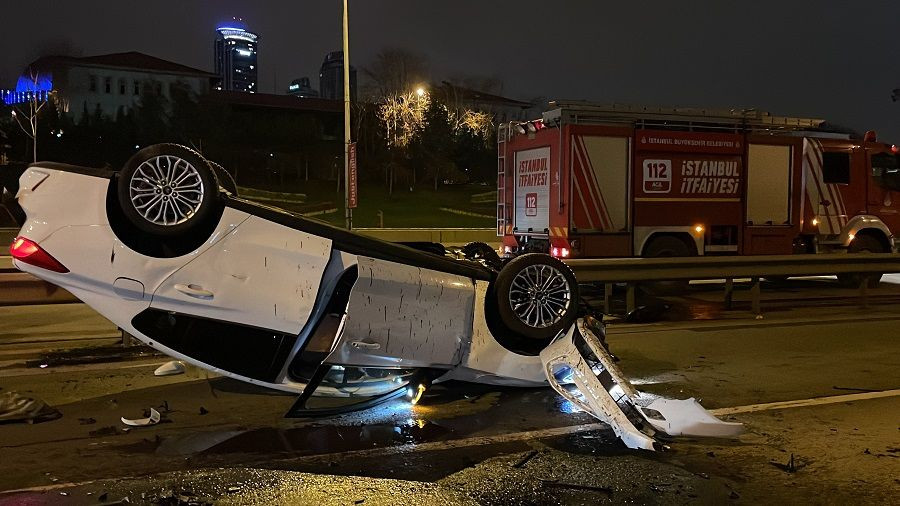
92	84
107	85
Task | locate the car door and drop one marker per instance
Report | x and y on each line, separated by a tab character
240	306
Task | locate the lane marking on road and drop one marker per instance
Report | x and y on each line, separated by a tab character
815	401
104	366
574	429
519	436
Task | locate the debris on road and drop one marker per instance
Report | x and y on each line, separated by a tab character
87	421
524	460
790	467
153	419
109	430
170	368
15	407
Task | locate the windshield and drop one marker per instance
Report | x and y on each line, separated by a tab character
886	171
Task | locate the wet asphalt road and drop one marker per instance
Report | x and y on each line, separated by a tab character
466	444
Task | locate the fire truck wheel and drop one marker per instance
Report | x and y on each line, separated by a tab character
863	243
666	246
537	296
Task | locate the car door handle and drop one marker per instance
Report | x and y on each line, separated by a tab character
195	291
362	345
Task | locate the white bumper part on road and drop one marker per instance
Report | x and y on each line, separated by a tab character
580	369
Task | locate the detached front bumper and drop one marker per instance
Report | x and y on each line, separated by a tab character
580	369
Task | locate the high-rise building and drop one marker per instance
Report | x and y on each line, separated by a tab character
236	50
331	77
302	89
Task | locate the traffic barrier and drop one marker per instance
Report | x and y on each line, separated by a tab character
445	236
636	270
6	238
20	288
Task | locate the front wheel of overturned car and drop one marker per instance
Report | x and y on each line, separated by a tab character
537	296
167	190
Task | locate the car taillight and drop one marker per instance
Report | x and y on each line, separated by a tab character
29	252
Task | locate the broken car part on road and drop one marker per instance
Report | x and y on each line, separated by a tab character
286	302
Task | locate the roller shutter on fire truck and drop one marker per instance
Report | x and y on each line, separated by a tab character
532	184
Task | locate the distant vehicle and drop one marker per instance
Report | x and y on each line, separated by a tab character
590	181
165	250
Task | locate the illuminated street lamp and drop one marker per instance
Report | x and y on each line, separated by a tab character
420	91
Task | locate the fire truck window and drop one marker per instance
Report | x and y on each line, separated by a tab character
886	171
836	167
768	184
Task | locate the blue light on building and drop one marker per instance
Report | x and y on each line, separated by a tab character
235	54
28	88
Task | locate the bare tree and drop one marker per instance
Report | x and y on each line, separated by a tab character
395	71
36	102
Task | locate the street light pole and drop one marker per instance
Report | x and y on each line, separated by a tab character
348	213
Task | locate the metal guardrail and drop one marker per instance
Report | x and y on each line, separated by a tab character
20	288
6	238
636	270
615	270
446	236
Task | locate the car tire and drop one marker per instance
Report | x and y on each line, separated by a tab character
537	296
662	247
226	180
482	251
862	244
167	190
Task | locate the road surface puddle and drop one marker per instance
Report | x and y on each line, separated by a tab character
307	440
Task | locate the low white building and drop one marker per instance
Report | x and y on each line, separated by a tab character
114	81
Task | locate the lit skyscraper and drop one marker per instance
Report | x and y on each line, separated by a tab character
236	50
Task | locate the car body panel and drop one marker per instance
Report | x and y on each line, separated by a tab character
261	274
404	316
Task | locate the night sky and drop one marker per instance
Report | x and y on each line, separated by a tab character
828	59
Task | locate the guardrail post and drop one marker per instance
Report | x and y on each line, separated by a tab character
607	297
629	298
729	292
754	293
127	339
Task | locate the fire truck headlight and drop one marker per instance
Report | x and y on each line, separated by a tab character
554	251
507	250
698	229
564	252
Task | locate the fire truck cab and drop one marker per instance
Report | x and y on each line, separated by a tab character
613	181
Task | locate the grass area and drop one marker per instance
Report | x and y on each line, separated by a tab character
403	209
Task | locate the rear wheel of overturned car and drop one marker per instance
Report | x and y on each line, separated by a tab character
862	243
167	190
537	296
226	180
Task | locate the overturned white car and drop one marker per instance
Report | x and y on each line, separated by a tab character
165	249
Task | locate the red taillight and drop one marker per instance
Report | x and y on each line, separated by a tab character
29	252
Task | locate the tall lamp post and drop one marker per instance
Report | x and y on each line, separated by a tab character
348	213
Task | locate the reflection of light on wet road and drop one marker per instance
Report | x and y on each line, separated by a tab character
656	380
568	407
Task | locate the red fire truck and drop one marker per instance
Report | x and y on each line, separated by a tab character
612	181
